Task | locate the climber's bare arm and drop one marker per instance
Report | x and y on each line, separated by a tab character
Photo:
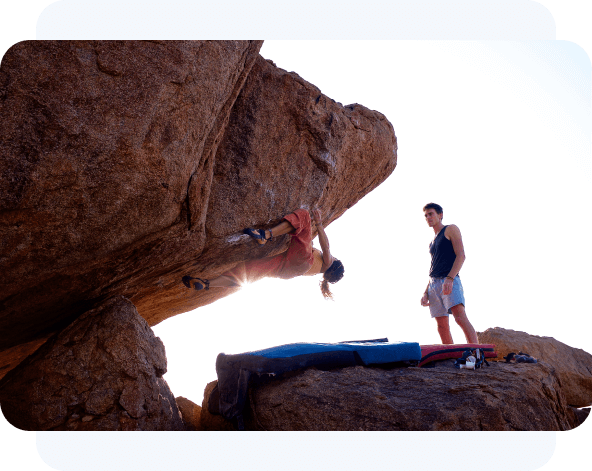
323	240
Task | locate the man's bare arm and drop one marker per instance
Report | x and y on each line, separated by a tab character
424	299
453	234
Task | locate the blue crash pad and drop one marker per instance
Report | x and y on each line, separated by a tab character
235	371
371	353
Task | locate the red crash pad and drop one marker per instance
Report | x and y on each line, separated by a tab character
444	352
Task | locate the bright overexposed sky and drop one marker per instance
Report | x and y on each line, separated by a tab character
498	133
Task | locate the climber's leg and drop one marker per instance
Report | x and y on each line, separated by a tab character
262	236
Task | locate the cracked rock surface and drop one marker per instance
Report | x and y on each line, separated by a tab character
101	141
500	397
573	366
103	372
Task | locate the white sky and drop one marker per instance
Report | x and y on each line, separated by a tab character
498	133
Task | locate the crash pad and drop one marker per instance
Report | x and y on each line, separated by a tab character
235	371
431	353
369	351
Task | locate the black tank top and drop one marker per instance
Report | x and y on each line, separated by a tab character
443	255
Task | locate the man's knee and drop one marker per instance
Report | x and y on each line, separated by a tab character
460	316
458	311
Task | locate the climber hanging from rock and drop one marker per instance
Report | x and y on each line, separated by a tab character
301	258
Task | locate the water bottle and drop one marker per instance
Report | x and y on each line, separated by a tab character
470	363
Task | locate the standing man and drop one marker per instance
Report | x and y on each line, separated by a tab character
444	293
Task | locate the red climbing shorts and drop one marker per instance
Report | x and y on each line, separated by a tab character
294	262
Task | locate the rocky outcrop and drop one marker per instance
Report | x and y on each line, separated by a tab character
581	414
102	141
103	372
191	413
125	165
209	421
573	366
286	146
500	397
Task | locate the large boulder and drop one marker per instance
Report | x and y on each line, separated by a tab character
102	144
125	165
573	366
103	372
500	397
286	146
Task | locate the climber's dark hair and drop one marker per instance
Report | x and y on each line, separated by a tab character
332	275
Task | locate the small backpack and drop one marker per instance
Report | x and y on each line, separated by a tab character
477	354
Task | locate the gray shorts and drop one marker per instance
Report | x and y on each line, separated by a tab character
439	304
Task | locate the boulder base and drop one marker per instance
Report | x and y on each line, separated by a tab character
191	413
210	421
573	366
103	372
500	397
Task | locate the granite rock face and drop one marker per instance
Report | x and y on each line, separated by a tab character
102	144
500	397
125	165
103	372
286	146
573	366
209	421
191	413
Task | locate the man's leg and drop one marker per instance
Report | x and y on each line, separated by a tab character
444	330
460	316
438	311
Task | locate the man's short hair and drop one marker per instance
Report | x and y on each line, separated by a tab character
435	206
